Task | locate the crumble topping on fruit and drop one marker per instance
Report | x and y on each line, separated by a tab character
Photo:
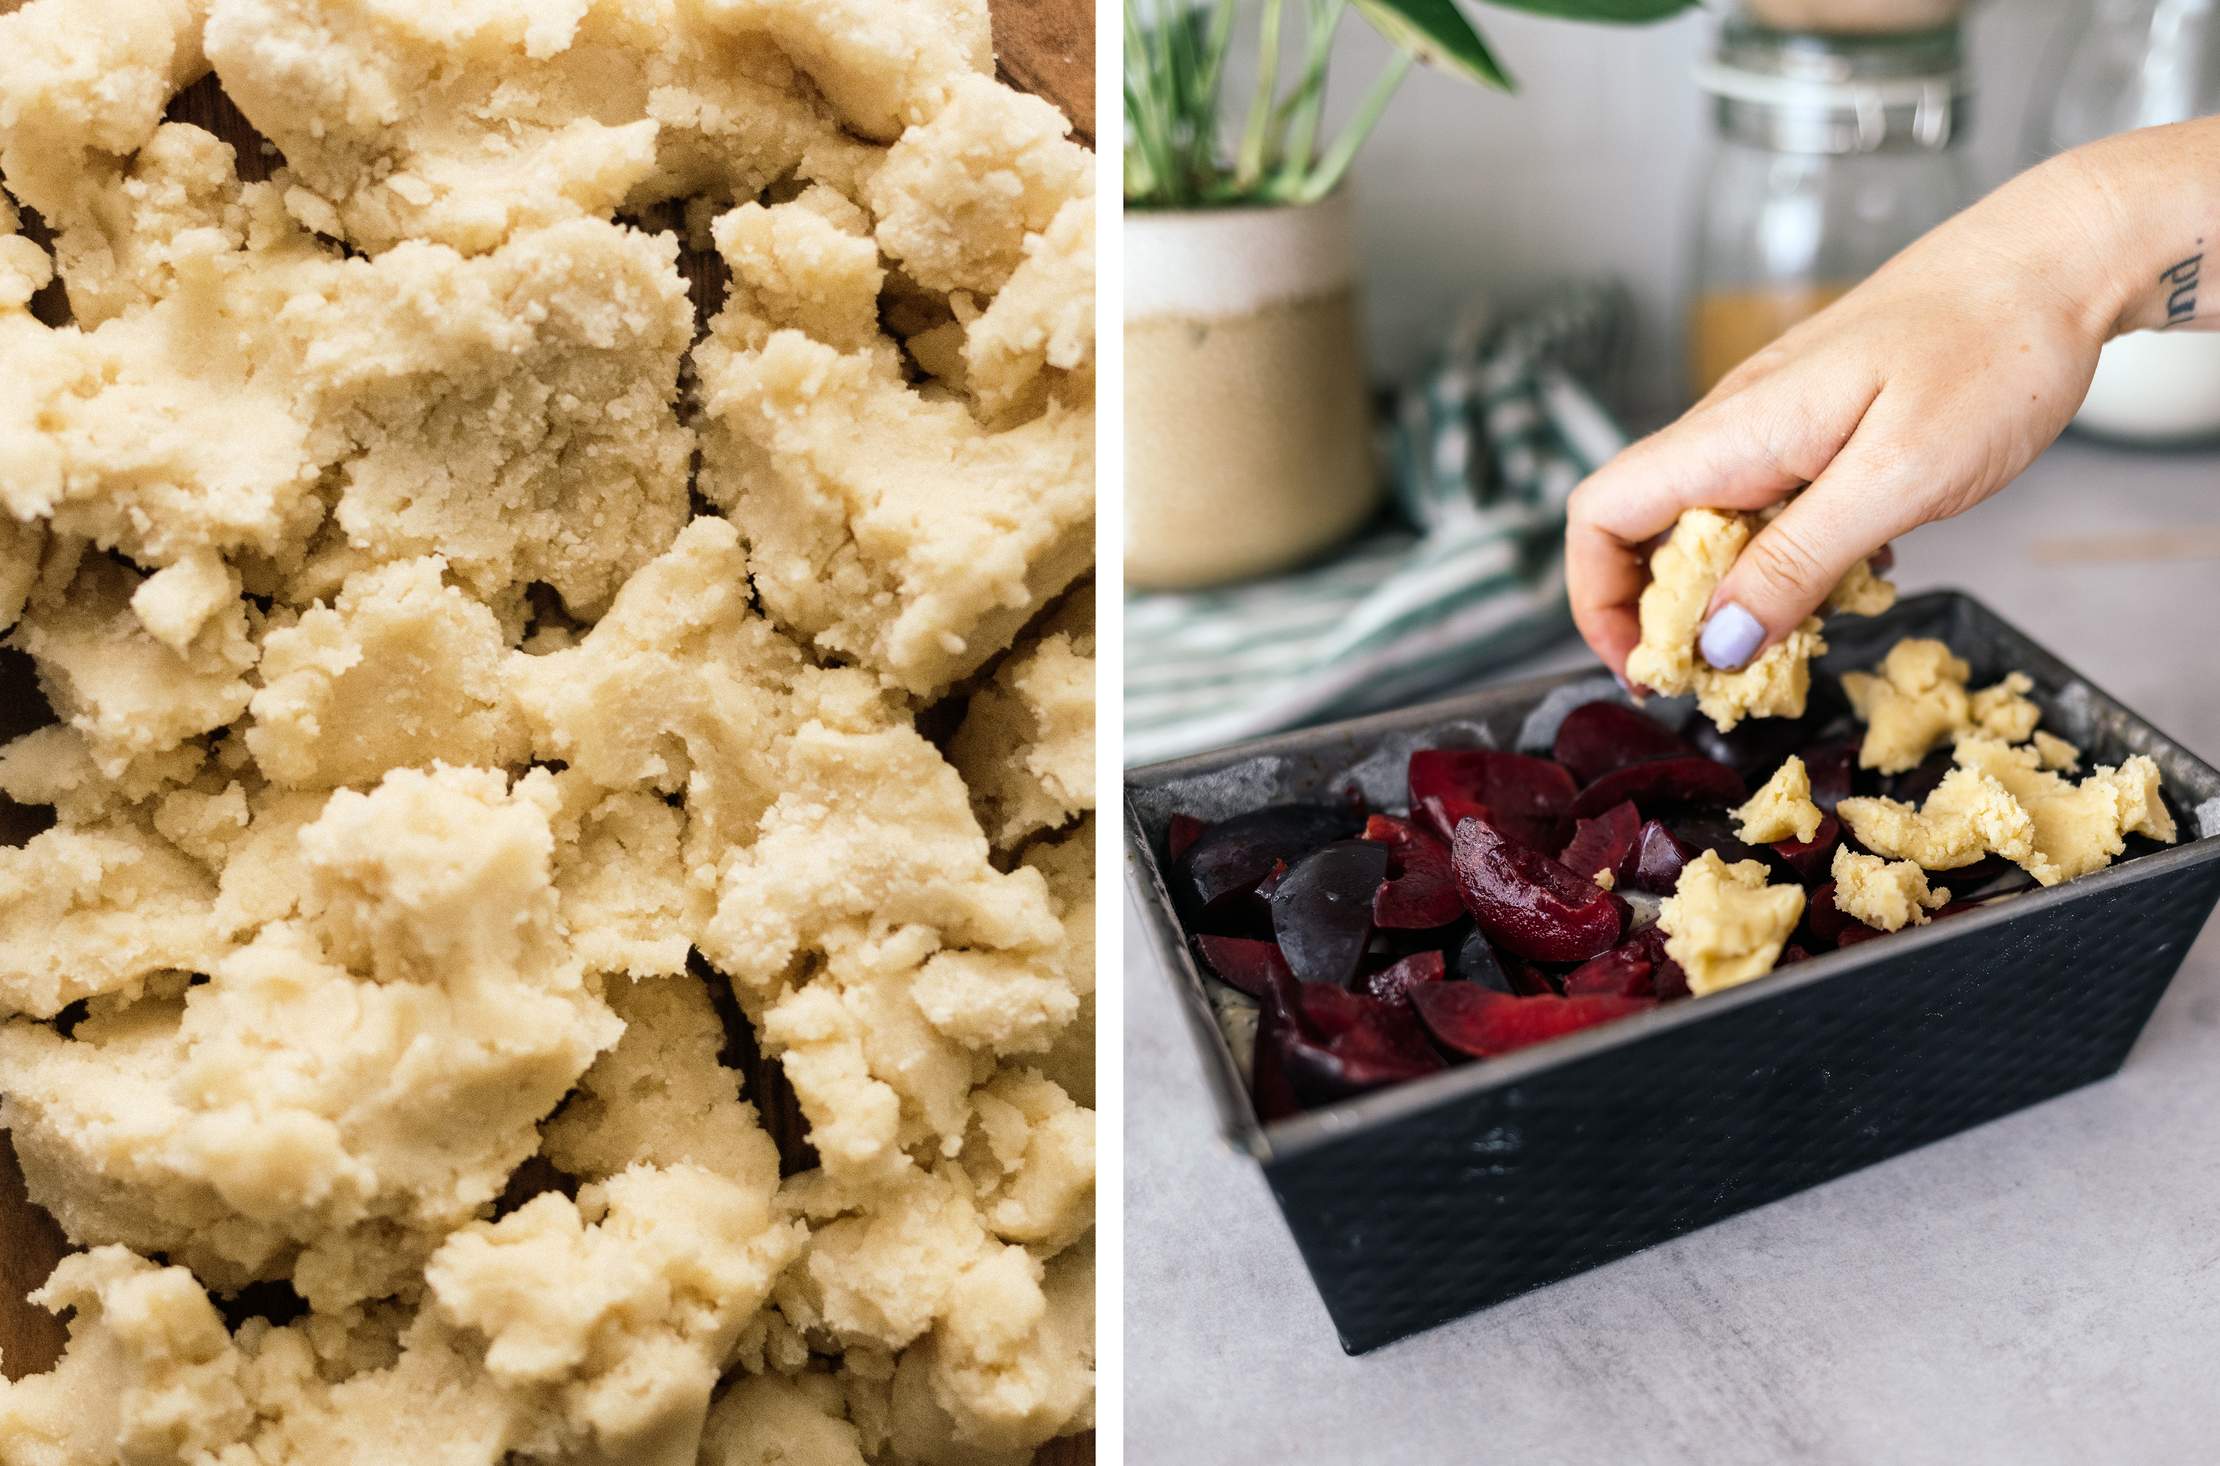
1917	698
1684	572
1887	895
1782	809
489	699
1724	924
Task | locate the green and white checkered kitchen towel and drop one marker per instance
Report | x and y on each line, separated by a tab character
1482	451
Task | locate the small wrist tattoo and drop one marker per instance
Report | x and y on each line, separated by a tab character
2181	295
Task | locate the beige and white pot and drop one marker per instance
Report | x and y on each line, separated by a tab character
1247	430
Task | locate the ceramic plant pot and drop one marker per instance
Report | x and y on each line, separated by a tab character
1247	430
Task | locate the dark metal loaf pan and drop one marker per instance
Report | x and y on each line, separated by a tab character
1417	1204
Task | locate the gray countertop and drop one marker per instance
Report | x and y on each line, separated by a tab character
2045	1289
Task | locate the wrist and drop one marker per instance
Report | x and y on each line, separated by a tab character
2149	203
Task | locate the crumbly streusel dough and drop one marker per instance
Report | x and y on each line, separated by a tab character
1782	808
418	742
1724	925
1887	894
1917	698
2002	799
1684	572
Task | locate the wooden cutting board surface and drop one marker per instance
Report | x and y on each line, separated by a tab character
1042	46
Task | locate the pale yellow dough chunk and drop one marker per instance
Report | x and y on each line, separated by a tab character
1968	815
1917	699
342	1091
1027	744
427	768
1885	894
1684	572
99	909
2077	828
1782	808
2056	754
401	669
1724	925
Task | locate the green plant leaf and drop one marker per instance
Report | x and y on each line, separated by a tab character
1624	12
1436	32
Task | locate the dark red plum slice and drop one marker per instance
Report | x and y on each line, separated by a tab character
1274	1092
1394	984
1528	798
1252	966
1757	745
1230	858
1420	891
1322	910
1916	783
1598	738
1659	856
1349	1044
1528	904
1832	768
1623	972
1717	833
1472	1020
1790	955
1605	842
1690	779
1478	962
1830	925
1442	813
1811	858
1181	835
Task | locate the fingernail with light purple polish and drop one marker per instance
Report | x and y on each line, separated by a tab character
1731	637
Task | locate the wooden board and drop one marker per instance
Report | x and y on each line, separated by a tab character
1043	46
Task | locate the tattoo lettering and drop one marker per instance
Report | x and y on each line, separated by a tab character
2181	300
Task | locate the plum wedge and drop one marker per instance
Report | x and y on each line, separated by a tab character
1531	905
1481	1024
1420	890
1322	909
1599	738
1227	860
1528	798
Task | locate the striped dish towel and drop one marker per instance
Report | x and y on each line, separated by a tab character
1466	574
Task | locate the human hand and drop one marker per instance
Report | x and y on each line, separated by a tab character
1916	396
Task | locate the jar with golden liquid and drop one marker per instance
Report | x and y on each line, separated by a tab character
1833	152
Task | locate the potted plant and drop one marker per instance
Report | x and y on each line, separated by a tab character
1248	441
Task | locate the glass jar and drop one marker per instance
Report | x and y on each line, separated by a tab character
2117	65
1833	153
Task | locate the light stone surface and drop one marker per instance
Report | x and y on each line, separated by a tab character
2042	1291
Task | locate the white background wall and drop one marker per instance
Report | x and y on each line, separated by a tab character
1590	169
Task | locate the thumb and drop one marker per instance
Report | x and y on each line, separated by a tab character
1794	563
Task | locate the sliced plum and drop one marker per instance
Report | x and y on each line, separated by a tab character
1829	924
1528	798
1810	858
1228	859
1605	843
1478	962
1757	745
1623	972
1322	910
1181	834
1717	833
1250	965
1275	1093
1689	779
1916	783
1472	1020
1393	984
1598	738
1659	855
1420	891
1349	1043
1528	904
1667	978
1832	767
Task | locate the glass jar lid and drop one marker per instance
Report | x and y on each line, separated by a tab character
1800	92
